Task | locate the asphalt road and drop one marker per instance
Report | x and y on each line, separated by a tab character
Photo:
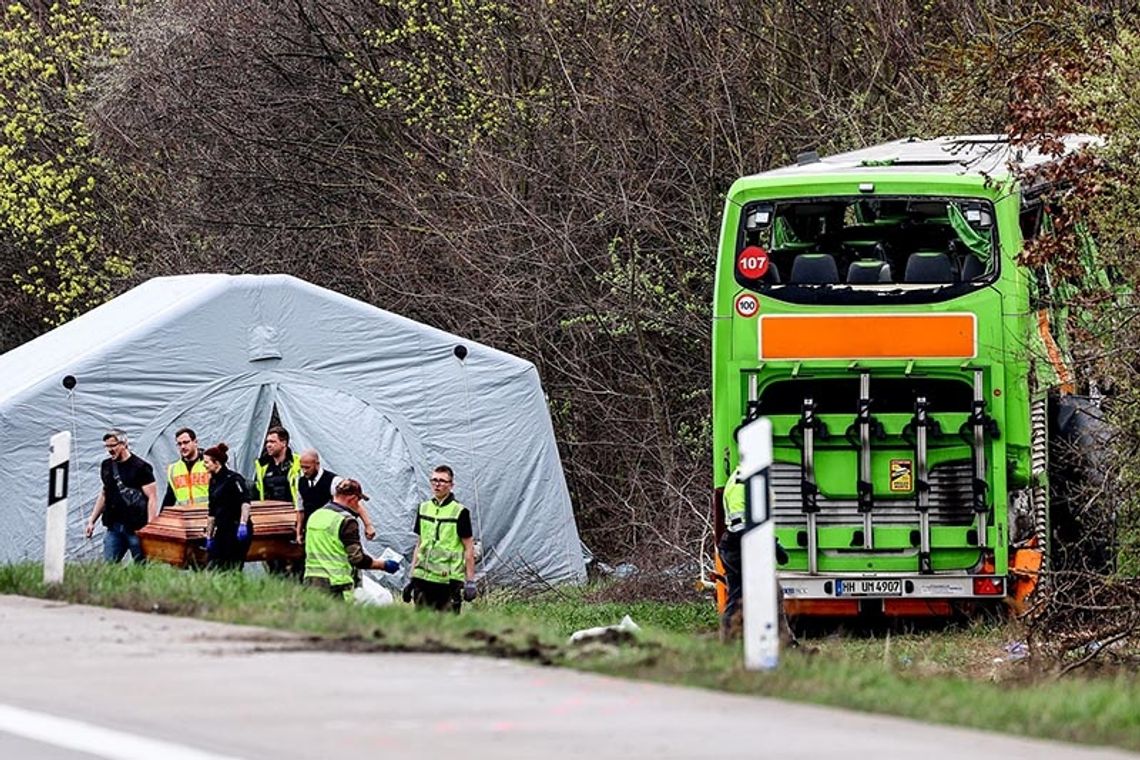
83	682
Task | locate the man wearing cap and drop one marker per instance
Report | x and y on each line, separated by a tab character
443	566
333	554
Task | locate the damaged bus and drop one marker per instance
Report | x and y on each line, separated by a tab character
872	306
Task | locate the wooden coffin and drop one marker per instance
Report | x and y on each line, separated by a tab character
178	535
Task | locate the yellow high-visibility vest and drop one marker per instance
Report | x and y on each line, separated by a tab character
191	485
734	505
260	468
441	556
325	554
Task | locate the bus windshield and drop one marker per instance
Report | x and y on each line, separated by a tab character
865	249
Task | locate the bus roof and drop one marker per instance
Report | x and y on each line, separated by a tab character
979	155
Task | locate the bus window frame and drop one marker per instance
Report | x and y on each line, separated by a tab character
843	293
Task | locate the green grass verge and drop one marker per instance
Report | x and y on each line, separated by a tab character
944	676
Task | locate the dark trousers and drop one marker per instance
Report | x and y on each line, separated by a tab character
290	568
729	549
227	553
437	596
118	540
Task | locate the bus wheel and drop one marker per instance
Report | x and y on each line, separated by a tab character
1082	516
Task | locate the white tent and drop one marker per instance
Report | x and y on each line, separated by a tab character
381	397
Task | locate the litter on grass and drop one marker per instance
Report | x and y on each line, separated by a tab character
623	631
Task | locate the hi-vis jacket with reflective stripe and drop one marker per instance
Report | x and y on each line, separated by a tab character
733	499
325	554
262	465
440	558
191	485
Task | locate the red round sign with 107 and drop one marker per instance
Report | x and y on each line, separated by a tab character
752	262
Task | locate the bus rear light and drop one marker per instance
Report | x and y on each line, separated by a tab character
916	608
986	586
821	607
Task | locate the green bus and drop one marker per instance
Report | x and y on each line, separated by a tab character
872	306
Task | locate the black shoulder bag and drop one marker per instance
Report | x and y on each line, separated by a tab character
135	501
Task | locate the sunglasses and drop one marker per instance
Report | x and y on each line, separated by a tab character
440	481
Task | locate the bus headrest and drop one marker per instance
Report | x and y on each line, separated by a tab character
814	269
868	271
929	267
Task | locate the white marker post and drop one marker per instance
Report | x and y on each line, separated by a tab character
55	534
758	550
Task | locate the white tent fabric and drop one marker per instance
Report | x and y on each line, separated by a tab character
381	397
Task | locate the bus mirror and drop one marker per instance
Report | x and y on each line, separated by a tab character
979	217
757	218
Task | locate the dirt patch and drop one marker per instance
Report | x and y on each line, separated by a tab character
478	642
255	637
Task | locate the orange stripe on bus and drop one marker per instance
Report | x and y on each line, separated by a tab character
1054	352
868	336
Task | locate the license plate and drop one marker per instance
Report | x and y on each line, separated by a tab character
868	588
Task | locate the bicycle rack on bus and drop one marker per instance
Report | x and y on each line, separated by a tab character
752	411
974	431
921	423
866	426
809	426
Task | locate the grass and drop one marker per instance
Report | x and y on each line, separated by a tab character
948	676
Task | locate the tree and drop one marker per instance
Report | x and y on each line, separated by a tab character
52	257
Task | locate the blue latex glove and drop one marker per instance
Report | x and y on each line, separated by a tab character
391	566
210	544
243	532
469	591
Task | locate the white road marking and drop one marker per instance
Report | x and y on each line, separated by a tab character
94	740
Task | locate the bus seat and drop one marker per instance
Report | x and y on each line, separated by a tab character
868	271
814	269
866	249
929	267
972	268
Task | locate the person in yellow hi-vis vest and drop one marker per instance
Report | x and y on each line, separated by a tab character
276	472
276	476
333	554
187	480
443	566
728	548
